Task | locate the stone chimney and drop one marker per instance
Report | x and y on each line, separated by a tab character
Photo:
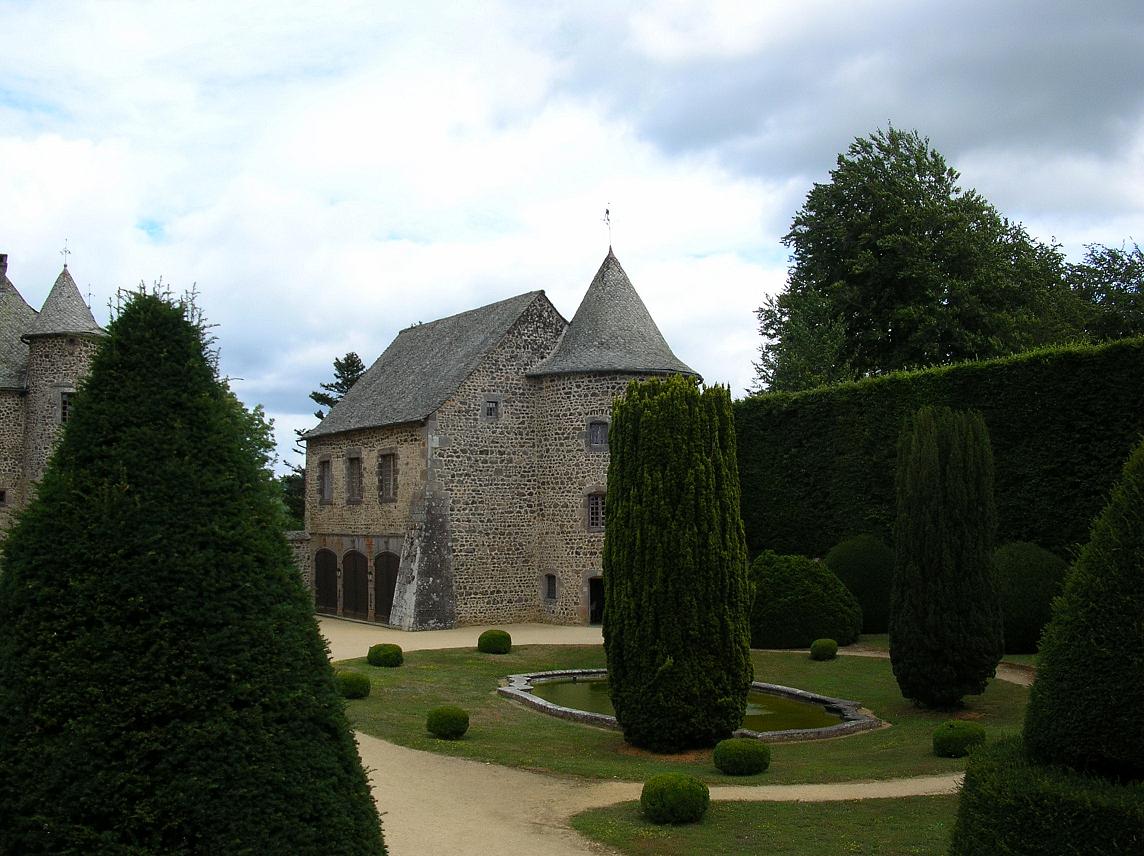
3	264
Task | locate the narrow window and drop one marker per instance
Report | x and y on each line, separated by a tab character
596	512
387	477
65	406
3	497
325	483
492	409
353	480
598	434
550	586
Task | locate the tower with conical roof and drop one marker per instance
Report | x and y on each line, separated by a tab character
611	340
43	357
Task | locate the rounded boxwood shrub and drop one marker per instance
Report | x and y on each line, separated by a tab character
1011	805
823	649
494	642
741	756
866	567
385	654
674	798
798	600
352	684
954	739
448	722
1028	578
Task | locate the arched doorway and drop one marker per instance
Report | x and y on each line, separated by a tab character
595	600
355	585
326	582
384	584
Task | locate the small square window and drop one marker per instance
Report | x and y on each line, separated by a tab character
353	479
596	512
597	434
325	483
492	408
387	477
550	586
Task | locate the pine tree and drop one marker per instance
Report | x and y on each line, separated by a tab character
945	620
163	686
347	371
676	627
1084	708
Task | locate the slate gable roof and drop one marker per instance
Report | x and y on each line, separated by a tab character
16	319
422	368
612	331
64	312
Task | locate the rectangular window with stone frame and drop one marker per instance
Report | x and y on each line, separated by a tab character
595	512
597	435
3	497
325	482
353	478
66	405
387	477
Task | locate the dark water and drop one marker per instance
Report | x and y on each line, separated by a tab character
765	712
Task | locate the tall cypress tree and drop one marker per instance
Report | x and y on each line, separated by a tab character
1084	708
676	629
945	619
163	687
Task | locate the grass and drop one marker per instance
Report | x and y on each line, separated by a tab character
504	732
919	826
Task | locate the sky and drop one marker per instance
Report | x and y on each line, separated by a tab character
326	174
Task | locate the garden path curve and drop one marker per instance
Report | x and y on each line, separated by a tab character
440	804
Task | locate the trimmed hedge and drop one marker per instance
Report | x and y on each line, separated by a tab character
823	649
448	722
866	567
741	756
818	466
1028	578
674	798
799	600
1012	806
954	739
494	642
385	654
352	684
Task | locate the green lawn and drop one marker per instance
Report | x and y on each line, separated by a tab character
504	732
919	826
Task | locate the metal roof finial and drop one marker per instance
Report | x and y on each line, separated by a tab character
65	252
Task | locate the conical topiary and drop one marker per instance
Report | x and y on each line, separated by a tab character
675	567
163	687
1085	706
945	621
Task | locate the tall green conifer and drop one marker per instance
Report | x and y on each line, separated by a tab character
163	687
945	620
676	627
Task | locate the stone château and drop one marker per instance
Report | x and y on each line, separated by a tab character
43	356
461	480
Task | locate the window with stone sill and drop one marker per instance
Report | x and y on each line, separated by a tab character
3	497
550	586
597	435
387	477
65	405
595	512
353	480
325	482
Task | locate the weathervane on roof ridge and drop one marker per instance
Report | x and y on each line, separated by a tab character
65	252
608	222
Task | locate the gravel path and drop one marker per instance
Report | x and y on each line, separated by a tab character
437	804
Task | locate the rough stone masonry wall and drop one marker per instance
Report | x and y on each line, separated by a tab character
55	364
372	526
569	471
487	469
11	455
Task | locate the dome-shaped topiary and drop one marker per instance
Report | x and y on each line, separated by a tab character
741	756
352	684
385	654
1084	708
798	600
1028	578
866	567
494	641
954	739
448	722
674	798
823	649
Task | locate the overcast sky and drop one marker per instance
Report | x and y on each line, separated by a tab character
330	173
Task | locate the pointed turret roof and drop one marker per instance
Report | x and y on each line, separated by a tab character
16	319
64	312
612	331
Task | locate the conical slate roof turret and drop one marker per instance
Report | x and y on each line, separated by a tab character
612	331
64	312
16	319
